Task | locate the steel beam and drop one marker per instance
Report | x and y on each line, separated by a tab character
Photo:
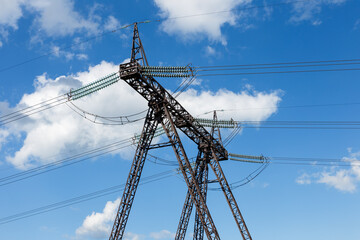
133	179
189	176
215	165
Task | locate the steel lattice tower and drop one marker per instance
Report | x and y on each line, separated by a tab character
166	111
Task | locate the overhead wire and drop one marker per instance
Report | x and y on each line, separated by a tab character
67	161
313	66
146	180
333	162
279	72
249	178
104	33
30	110
119	120
65	48
83	198
297	63
283	107
47	104
278	4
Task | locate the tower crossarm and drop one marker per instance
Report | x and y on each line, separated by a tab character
155	94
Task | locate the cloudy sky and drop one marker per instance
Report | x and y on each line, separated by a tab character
49	47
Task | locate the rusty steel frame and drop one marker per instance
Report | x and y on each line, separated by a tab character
215	165
133	179
200	166
189	176
198	226
164	109
201	171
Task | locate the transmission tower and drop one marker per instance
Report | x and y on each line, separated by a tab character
166	111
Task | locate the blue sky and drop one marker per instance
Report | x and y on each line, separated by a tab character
283	202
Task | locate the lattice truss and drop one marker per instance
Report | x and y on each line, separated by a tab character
165	111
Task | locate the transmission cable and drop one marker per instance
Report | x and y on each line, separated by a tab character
30	110
279	72
333	162
119	120
83	198
140	22
297	64
65	162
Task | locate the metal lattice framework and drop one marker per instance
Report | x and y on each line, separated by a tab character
166	111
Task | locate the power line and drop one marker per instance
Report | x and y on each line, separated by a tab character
162	175
64	48
82	198
30	110
68	161
145	21
279	72
284	107
279	4
313	161
299	63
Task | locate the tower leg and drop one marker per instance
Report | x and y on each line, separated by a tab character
214	163
133	179
188	205
198	227
189	176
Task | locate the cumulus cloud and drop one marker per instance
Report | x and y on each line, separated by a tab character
111	23
52	18
133	236
59	130
98	225
10	12
345	180
163	234
59	18
249	104
304	179
308	10
57	52
192	27
210	51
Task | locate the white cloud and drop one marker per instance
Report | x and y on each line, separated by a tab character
210	51
304	179
342	180
193	27
317	22
308	10
249	104
58	130
57	52
52	18
98	225
59	18
111	23
357	24
82	56
133	236
345	180
10	12
163	234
